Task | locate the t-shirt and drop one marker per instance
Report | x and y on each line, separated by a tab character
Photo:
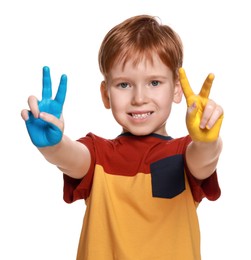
140	199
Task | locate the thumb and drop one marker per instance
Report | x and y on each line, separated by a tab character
192	118
192	110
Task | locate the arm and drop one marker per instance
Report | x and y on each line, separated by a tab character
45	126
71	157
204	119
202	158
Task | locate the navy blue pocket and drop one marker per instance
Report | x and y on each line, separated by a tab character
168	178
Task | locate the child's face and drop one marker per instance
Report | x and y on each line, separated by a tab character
140	96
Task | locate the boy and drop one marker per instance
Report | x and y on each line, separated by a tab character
142	188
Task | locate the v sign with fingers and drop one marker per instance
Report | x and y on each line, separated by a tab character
43	119
204	116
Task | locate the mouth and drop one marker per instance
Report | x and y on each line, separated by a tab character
140	115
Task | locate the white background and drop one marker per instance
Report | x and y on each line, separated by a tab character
35	222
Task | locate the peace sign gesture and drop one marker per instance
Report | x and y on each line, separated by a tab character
43	119
204	116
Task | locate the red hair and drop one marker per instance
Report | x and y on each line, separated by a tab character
139	37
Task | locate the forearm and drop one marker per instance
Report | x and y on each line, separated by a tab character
71	157
202	157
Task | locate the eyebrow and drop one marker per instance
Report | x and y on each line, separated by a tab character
148	77
117	79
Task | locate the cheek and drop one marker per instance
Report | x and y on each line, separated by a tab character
164	99
117	102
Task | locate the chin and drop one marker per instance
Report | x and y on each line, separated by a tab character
139	132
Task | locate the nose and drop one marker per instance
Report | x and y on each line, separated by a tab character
140	95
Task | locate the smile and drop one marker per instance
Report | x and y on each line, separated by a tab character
141	116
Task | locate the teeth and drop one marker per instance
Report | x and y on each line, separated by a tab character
141	116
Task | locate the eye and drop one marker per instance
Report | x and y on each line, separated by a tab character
123	85
154	83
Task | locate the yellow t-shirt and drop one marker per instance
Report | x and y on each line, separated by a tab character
140	198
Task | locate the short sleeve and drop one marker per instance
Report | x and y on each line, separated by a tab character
75	189
208	188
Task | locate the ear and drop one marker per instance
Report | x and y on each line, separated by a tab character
104	94
177	95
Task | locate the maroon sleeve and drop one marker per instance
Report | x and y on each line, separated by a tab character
207	188
75	189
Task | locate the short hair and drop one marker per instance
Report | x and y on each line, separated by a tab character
138	37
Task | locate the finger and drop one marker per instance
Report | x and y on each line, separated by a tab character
215	116
25	114
49	118
61	93
188	92
206	87
207	112
33	105
46	92
211	113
